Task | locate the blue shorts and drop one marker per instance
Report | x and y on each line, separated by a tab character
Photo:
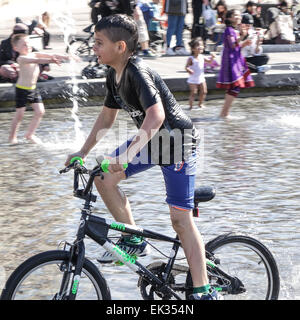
179	178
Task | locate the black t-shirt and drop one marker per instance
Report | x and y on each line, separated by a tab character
140	88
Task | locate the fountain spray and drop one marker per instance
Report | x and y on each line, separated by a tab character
66	24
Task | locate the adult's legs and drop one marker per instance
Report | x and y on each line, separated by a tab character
197	12
179	31
15	125
46	39
172	21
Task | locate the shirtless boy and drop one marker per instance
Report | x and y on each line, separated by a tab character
26	91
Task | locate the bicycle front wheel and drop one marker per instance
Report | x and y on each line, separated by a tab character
247	260
79	47
45	277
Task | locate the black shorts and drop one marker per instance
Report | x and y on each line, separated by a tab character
25	96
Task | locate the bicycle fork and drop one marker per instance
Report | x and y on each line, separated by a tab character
77	254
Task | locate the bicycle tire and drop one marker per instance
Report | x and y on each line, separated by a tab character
273	286
43	258
83	47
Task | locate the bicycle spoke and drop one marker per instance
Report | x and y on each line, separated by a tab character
244	264
48	281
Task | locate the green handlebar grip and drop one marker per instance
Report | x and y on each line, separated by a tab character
125	165
105	164
77	158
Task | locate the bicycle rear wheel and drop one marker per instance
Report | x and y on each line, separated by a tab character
40	278
252	270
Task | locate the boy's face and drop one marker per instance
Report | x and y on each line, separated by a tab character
106	50
23	46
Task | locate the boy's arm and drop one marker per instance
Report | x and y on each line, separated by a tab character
50	56
155	116
104	121
25	60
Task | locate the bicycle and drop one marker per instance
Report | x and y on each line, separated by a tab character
82	46
67	275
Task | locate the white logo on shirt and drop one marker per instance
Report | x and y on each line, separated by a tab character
136	113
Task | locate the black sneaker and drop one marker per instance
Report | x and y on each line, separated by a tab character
131	244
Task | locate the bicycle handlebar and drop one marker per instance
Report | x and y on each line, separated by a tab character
76	163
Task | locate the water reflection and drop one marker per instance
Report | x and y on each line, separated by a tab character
253	160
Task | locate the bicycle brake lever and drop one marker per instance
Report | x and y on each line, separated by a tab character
66	169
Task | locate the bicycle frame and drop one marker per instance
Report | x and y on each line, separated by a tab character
97	229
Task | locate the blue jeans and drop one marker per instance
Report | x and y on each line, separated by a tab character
175	26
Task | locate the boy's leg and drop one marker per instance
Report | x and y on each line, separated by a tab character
39	111
202	93
15	125
192	243
180	185
119	206
114	198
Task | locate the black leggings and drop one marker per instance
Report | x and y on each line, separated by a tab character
46	38
256	61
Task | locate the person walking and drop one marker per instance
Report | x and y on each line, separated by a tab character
234	73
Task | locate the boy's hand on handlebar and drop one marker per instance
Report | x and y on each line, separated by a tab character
116	168
76	154
112	165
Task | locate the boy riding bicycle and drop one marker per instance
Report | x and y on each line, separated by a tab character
134	87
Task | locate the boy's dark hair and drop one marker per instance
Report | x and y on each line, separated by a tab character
17	37
195	42
120	27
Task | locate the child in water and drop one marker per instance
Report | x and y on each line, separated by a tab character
195	68
234	73
26	91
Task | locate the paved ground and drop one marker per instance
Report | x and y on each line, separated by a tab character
167	66
285	66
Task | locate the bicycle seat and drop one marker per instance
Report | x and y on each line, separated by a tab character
88	29
203	194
